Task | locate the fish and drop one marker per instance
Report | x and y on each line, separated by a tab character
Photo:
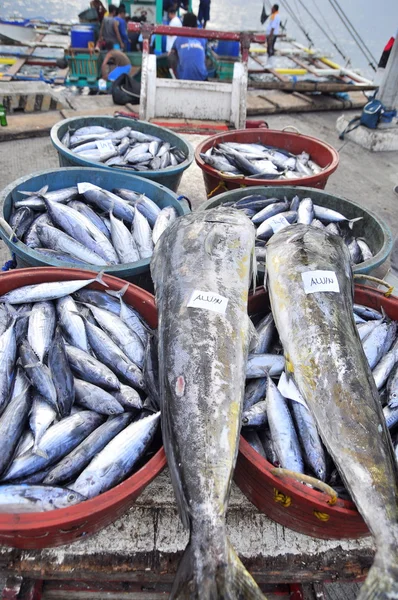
260	159
94	398
143	235
265	331
261	365
55	239
128	397
123	241
12	423
344	402
28	498
113	357
149	209
268	222
41	417
41	328
252	437
165	218
61	374
90	369
57	441
73	463
117	459
39	292
254	392
127	340
8	356
71	323
39	375
256	415
283	434
202	361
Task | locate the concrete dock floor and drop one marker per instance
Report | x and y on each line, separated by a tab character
361	176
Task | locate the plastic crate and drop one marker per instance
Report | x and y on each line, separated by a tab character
224	65
84	68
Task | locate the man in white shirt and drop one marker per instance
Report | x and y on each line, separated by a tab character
174	21
272	26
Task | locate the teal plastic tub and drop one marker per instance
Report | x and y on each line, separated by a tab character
137	272
371	228
169	177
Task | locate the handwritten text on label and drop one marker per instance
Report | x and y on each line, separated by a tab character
320	281
278	222
105	147
208	301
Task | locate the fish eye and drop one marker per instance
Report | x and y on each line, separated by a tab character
112	411
71	497
394	395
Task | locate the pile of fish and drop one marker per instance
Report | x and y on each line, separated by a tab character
88	225
276	420
270	215
258	161
124	148
76	368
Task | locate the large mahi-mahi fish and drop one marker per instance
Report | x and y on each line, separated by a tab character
325	356
201	269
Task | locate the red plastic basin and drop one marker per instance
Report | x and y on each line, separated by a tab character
323	154
57	527
289	502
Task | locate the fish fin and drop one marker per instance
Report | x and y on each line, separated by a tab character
41	192
32	365
118	293
100	280
382	580
252	334
39	452
222	578
182	503
352	221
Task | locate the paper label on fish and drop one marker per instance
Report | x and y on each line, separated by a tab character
208	301
320	281
278	222
288	389
84	186
105	147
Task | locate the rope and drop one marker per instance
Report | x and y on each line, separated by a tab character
296	20
325	33
353	32
282	498
347	59
321	516
187	200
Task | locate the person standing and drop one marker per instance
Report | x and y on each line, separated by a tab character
190	52
174	21
109	32
272	27
121	19
204	13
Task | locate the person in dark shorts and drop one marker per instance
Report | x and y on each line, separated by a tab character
109	31
204	13
272	26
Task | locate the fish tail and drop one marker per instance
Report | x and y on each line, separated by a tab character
382	580
118	293
352	221
100	279
206	578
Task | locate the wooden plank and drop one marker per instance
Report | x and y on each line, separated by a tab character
19	63
309	86
320	103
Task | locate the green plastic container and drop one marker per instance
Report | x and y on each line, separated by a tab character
137	272
224	65
169	177
372	229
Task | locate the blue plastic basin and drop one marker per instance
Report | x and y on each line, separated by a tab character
169	177
371	228
137	272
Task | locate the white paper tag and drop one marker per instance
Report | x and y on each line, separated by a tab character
208	301
288	389
105	146
320	281
84	186
278	222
